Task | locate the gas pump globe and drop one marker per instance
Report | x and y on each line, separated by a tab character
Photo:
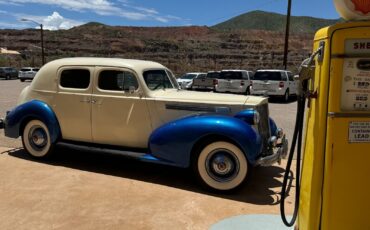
333	192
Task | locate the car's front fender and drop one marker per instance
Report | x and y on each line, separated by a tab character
175	140
31	110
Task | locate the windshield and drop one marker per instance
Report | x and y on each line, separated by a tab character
267	76
232	75
188	76
25	69
157	79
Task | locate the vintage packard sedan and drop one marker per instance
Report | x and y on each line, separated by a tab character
135	108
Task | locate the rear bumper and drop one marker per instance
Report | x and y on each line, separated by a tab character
279	152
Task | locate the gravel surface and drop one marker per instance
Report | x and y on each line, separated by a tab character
9	92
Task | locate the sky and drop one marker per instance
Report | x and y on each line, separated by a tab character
57	14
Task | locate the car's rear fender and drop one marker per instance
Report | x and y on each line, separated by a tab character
17	118
175	141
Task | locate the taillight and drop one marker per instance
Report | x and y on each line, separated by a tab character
242	83
281	84
215	82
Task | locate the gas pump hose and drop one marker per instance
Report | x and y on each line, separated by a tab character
297	137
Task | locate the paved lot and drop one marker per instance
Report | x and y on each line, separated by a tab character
79	190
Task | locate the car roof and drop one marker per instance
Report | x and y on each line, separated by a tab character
272	70
137	65
235	70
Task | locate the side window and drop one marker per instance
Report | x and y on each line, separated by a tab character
245	75
291	77
117	80
283	76
75	78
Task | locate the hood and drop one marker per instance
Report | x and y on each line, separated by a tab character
206	98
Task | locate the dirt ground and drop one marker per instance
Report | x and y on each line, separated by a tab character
80	190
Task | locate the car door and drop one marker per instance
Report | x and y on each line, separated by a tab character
119	111
72	102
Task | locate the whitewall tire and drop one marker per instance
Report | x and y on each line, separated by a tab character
36	139
221	166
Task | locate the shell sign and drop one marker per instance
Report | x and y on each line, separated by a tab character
353	9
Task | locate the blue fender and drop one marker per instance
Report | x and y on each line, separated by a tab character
32	110
174	141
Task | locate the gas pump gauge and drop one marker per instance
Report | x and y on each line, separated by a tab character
356	85
356	76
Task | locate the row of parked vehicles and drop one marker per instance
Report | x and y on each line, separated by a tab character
25	73
263	82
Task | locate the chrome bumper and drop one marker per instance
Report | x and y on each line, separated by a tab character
279	152
2	124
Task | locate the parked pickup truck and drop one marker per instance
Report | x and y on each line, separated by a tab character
135	108
206	83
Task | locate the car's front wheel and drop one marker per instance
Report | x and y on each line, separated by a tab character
221	166
36	139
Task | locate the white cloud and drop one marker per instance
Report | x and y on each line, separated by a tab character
122	8
52	22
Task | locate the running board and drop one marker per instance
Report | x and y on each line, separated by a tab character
130	154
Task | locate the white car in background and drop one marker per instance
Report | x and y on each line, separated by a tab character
234	81
274	83
186	80
27	73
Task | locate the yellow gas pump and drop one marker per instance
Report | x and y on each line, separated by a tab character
334	190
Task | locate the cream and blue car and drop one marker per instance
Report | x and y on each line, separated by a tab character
136	109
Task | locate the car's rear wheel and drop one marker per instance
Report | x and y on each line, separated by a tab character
22	80
7	77
221	166
36	139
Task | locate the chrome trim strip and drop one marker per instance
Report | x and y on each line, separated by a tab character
335	114
218	109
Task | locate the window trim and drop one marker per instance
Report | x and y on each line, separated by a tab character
88	68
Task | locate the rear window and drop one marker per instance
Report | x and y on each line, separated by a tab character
232	75
35	69
213	75
75	78
267	76
25	69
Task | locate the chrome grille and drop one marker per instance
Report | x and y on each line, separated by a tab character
264	125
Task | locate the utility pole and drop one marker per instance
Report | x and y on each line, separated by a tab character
286	45
42	37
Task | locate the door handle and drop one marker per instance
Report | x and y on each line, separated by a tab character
87	101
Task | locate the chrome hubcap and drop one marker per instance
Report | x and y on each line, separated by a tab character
222	165
37	137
